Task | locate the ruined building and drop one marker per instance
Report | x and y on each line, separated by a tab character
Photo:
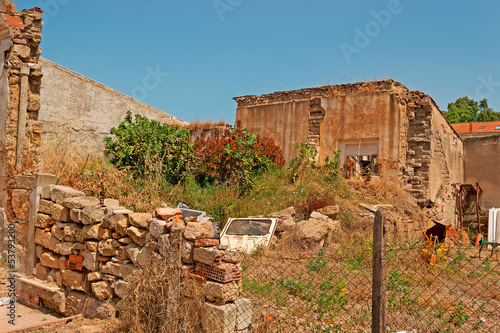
382	126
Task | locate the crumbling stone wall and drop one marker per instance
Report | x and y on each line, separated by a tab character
87	250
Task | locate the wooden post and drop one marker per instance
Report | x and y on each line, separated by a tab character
174	277
379	281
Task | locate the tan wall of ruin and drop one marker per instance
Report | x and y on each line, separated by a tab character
286	123
363	116
482	158
80	112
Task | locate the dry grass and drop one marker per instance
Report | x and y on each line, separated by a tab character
203	124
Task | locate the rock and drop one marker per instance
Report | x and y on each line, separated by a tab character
111	210
45	206
63	263
116	269
121	225
317	230
125	240
75	303
330	211
284	212
110	203
139	220
39	250
105	233
198	230
187	251
59	280
90	261
20	204
97	309
232	256
59	193
73	279
65	248
41	272
133	251
60	213
111	221
102	289
92	246
92	214
163	244
221	293
285	223
157	227
141	257
137	235
46	239
318	216
121	288
95	276
109	247
91	231
75	215
80	202
44	221
371	208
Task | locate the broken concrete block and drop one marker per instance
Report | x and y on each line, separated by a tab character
90	261
59	193
121	288
218	318
157	227
139	220
198	230
80	202
109	247
220	293
102	289
207	255
50	259
244	313
92	214
137	235
73	279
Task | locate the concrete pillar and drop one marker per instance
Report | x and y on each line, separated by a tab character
21	125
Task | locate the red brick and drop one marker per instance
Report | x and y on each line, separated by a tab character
206	242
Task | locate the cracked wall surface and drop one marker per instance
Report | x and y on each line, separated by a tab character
410	135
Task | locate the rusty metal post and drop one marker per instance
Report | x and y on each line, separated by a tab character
379	281
174	277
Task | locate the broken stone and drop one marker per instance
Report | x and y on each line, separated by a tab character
20	204
49	259
163	244
73	279
95	276
75	215
109	247
110	203
92	214
39	250
90	261
318	216
65	248
63	263
139	220
207	255
133	251
232	256
121	225
121	288
41	272
45	206
59	193
111	221
198	230
244	313
91	231
137	235
218	318
59	280
141	257
187	251
60	213
157	227
125	240
102	290
80	202
116	269
330	211
221	293
105	233
317	230
44	221
92	246
96	309
75	303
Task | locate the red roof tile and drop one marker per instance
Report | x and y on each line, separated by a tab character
489	126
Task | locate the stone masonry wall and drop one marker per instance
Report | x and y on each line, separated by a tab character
87	250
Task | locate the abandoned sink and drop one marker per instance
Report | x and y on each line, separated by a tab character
247	234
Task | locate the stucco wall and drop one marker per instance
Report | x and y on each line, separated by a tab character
482	160
77	110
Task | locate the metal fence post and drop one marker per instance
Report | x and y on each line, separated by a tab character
379	281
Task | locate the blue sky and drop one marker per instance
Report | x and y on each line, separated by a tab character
203	53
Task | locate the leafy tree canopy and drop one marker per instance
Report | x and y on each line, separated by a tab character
467	110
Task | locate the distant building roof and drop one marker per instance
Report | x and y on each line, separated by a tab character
485	127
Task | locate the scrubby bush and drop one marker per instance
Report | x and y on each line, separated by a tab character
146	146
236	160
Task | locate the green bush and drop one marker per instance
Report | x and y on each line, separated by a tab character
146	146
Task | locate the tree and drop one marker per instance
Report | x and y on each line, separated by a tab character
467	110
